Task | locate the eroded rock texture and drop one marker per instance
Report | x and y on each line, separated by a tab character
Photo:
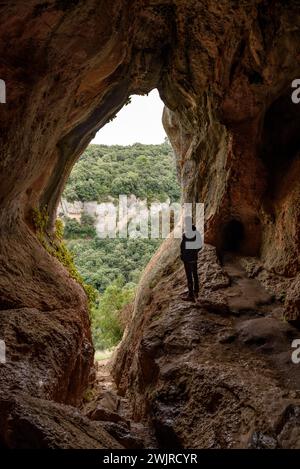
224	70
218	373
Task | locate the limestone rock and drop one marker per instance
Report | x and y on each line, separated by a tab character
224	70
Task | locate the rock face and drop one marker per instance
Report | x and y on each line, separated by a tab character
224	70
217	373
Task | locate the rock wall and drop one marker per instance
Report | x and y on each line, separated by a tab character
216	373
111	210
224	70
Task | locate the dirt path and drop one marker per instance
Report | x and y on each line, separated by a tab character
113	411
259	323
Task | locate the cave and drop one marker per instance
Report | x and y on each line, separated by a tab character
222	71
233	235
279	151
280	137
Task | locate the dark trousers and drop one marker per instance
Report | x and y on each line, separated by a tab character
192	276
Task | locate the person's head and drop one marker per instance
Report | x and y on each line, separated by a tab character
188	225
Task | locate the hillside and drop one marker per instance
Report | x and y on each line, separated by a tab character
114	266
147	171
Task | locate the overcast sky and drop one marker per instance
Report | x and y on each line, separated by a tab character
140	121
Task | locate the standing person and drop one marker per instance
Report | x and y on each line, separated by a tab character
190	246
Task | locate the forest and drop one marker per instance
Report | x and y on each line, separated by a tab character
147	171
113	266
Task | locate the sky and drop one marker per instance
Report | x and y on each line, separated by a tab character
138	122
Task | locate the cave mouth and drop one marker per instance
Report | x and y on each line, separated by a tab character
280	138
233	235
110	241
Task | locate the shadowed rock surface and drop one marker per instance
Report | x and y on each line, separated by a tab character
215	374
224	71
28	422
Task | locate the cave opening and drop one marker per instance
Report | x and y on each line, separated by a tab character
280	139
233	235
129	157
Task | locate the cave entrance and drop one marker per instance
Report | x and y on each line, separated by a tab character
233	235
280	139
131	156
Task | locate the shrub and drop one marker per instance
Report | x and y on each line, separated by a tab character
85	229
54	245
107	327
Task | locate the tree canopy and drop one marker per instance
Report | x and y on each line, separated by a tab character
147	171
114	266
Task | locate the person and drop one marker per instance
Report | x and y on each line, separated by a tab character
190	246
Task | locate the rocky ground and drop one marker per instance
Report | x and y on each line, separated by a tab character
105	405
216	373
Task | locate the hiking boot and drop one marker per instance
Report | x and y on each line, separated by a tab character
196	294
189	297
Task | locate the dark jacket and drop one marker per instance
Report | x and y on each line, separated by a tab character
190	247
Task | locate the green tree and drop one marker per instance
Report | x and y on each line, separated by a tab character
114	266
107	329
